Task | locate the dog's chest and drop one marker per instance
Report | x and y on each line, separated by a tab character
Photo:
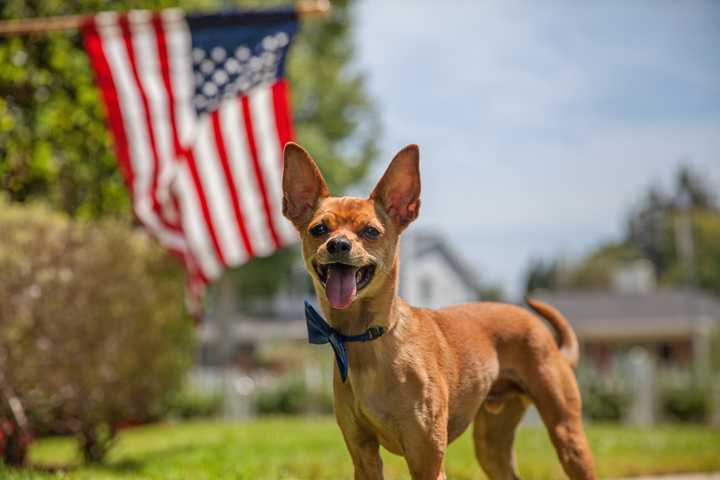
384	426
379	410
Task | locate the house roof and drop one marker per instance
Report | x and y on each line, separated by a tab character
662	314
427	243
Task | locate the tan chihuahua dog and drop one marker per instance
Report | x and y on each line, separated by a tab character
418	386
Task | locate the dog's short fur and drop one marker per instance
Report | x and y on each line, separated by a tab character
419	386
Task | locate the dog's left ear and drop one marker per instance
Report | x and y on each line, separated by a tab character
398	191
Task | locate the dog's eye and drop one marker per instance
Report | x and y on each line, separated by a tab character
318	230
370	232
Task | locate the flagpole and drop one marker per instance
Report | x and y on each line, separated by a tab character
22	26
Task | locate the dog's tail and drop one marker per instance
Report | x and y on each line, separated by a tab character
567	339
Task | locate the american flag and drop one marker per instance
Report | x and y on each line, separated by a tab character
199	112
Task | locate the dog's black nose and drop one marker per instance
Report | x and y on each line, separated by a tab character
339	245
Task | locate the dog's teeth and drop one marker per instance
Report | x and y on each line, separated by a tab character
358	275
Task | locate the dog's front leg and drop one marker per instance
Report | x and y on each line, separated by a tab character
425	460
362	443
366	458
365	452
424	446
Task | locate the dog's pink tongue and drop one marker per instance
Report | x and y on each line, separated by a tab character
340	286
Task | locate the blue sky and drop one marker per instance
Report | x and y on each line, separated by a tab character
541	124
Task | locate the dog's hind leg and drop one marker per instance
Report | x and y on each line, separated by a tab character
555	393
494	434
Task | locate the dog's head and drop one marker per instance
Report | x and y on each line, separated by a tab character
350	244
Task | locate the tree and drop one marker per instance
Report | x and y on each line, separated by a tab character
541	275
333	114
654	231
705	225
664	221
596	270
691	185
651	227
646	228
53	140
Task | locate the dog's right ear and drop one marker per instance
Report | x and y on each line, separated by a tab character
303	184
398	191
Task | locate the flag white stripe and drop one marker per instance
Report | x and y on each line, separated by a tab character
270	156
216	193
177	36
241	165
135	128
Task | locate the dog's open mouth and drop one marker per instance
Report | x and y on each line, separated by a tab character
342	282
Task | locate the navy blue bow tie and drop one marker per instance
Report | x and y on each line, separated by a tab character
319	333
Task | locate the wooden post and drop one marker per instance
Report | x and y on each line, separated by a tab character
714	388
22	26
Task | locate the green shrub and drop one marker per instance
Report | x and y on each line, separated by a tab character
688	403
292	398
604	404
605	397
187	404
92	326
289	398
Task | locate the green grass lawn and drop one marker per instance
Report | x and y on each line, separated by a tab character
312	448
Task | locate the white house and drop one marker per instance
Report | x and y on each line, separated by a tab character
432	274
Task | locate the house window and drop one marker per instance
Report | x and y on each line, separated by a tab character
426	288
665	352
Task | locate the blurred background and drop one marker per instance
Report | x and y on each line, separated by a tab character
569	151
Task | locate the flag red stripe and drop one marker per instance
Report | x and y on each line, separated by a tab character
104	78
194	270
283	115
195	175
230	181
252	147
198	271
130	49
